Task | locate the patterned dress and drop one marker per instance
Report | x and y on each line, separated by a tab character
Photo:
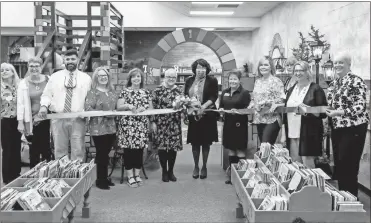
8	101
169	126
133	131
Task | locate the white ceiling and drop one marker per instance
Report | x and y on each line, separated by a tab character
244	10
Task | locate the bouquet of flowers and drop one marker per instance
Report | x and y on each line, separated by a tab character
191	105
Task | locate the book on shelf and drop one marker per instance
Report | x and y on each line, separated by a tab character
61	168
31	200
47	187
245	164
274	203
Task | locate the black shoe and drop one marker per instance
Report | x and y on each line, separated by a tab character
196	173
172	177
102	184
165	176
203	173
110	183
228	182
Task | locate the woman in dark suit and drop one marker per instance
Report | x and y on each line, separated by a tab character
202	132
235	125
304	131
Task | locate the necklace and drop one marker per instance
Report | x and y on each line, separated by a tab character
37	83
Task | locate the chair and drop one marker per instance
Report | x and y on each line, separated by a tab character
119	155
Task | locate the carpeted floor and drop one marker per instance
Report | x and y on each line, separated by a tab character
187	200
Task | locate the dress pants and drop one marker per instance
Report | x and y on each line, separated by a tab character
11	145
40	143
348	144
69	131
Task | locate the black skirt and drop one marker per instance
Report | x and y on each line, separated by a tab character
235	132
203	131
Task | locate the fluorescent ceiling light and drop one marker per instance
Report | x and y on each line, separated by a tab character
217	3
208	29
211	12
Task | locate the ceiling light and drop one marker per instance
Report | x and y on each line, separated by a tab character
217	3
178	28
208	29
211	12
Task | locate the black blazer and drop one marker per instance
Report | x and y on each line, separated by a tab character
311	129
210	89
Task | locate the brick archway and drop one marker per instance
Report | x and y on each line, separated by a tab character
207	38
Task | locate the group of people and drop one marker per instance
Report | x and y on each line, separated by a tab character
26	102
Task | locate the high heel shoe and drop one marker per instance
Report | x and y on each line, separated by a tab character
196	174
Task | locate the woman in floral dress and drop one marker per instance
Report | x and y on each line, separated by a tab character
169	127
268	93
102	97
133	130
10	136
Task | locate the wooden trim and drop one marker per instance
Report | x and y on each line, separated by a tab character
61	14
115	11
84	44
46	43
62	26
47	59
84	17
86	60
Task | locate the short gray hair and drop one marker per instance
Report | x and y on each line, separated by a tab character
170	71
345	56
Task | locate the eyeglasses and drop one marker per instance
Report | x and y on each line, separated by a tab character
38	66
301	71
170	77
74	82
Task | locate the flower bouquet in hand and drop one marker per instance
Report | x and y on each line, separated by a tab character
186	103
263	106
181	102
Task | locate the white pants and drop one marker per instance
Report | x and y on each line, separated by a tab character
69	132
308	161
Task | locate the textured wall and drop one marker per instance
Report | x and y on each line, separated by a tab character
346	26
140	43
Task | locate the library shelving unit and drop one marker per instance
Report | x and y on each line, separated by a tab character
309	204
61	208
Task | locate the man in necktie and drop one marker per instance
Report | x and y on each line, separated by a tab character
66	92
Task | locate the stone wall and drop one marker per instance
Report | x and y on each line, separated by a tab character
346	26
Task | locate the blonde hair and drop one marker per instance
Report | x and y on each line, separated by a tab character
15	80
306	68
291	61
271	64
95	78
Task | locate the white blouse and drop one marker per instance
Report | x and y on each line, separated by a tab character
293	119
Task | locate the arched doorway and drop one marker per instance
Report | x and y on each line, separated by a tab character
207	38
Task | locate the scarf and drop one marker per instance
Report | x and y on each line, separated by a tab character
197	88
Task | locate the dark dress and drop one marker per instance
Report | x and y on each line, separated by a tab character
311	129
169	126
235	126
133	131
204	131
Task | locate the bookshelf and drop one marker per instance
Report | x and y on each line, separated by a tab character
309	204
61	208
